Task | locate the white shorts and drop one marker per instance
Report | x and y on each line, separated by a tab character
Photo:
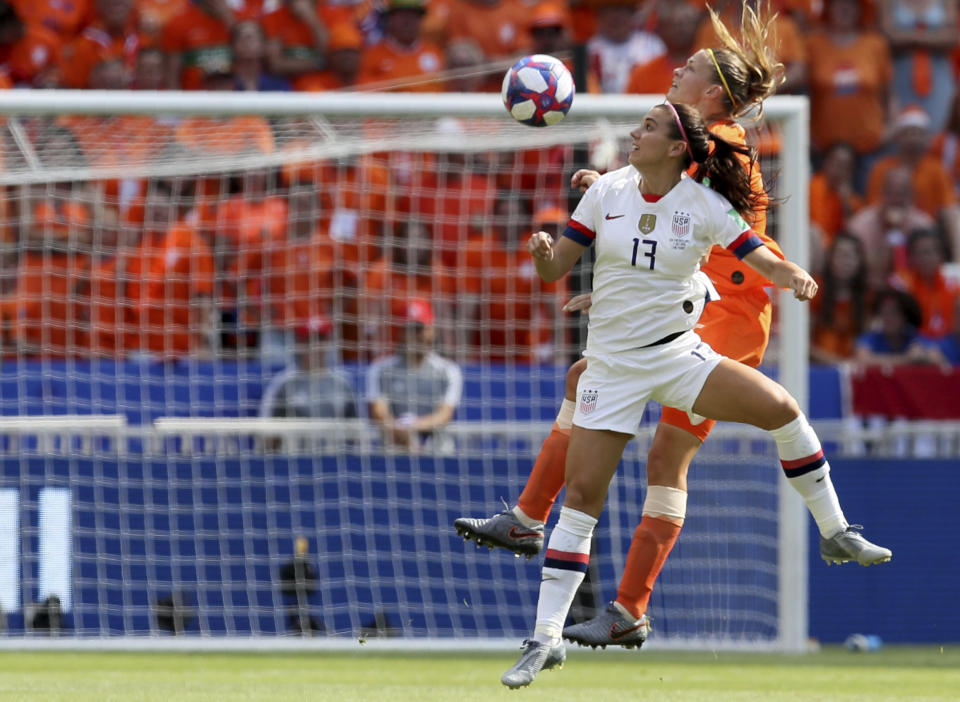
615	388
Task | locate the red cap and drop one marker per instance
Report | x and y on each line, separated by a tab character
420	312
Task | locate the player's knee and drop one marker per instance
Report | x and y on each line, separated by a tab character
583	494
782	409
661	470
573	378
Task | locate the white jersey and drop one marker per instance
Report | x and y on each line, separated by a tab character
647	254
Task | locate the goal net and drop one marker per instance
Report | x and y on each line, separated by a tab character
197	294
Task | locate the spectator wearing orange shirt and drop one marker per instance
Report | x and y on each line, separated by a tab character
297	36
883	227
933	190
175	310
344	49
839	311
833	200
63	17
850	73
44	310
923	278
248	50
28	52
401	60
922	34
515	310
677	25
498	26
112	35
197	40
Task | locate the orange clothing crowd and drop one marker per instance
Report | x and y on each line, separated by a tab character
881	76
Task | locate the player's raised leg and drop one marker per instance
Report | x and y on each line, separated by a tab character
736	393
520	529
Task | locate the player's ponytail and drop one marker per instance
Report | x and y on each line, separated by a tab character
723	164
747	69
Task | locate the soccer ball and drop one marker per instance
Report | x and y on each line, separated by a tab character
538	90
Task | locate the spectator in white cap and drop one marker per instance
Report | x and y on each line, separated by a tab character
933	191
414	393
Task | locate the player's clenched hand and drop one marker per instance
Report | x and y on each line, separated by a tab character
540	246
579	303
803	286
583	179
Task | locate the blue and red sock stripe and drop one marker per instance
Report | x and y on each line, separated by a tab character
579	233
745	243
802	466
566	560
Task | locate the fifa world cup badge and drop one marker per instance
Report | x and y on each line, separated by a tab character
647	223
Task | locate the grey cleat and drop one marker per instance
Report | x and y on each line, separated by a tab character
611	628
849	545
502	530
536	656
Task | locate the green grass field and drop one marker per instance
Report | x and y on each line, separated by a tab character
894	673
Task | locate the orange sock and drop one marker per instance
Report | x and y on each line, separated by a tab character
546	477
652	542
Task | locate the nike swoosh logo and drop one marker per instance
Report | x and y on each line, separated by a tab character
620	633
614	216
819	480
515	533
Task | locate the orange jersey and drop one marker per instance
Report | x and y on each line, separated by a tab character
179	272
389	63
319	82
937	299
500	28
932	187
828	209
727	272
849	80
785	36
47	312
840	338
203	41
512	318
117	141
90	48
31	55
227	135
300	280
295	38
63	17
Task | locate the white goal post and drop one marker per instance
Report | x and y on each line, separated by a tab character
339	125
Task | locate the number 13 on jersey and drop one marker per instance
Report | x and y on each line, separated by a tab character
651	254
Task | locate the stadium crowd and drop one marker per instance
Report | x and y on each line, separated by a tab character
242	261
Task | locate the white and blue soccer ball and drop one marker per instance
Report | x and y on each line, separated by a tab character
538	90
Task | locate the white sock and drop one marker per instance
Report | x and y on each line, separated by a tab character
568	553
809	473
522	517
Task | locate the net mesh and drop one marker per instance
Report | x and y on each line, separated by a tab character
253	266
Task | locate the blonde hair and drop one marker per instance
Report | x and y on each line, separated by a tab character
747	68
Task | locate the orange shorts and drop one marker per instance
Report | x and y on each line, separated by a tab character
738	327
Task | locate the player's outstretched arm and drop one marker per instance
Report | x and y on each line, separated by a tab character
783	274
553	259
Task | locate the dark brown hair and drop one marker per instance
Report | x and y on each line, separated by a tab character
723	164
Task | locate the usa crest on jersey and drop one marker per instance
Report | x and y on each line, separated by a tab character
680	227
